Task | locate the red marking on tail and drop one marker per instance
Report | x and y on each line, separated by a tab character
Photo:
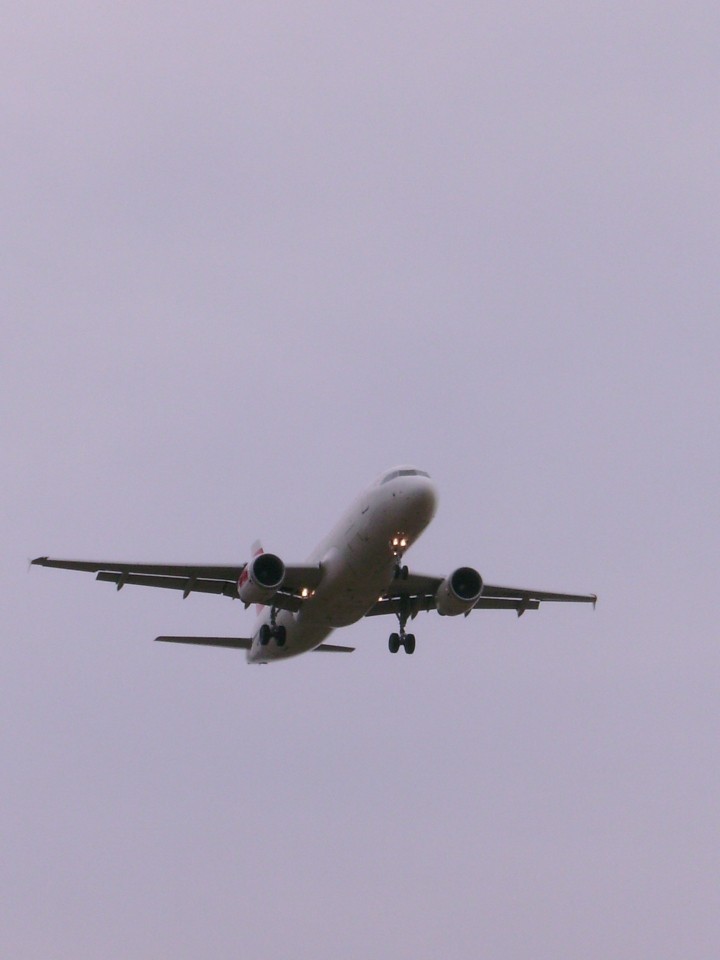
256	549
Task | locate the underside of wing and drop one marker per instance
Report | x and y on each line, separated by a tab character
522	595
182	570
298	581
417	592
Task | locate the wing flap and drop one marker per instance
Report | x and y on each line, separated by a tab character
394	605
283	601
189	585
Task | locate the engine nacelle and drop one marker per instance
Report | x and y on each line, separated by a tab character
261	578
459	592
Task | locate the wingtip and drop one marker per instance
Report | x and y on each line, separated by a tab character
39	560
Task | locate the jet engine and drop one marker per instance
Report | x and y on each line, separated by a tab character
459	592
261	578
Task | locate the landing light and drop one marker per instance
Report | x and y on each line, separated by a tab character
398	543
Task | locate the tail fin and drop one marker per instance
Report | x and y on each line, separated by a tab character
255	550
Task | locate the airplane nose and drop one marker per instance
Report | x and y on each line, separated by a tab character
424	500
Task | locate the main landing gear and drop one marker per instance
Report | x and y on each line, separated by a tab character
402	639
272	631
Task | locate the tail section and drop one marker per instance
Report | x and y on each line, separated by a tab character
255	550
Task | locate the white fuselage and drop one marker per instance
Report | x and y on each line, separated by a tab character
358	561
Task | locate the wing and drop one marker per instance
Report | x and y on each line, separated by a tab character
193	578
417	592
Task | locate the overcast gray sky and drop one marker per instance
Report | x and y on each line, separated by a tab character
254	254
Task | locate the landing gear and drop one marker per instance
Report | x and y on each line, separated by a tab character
402	639
397	640
272	631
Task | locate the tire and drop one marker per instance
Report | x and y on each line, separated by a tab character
410	643
264	635
394	643
280	636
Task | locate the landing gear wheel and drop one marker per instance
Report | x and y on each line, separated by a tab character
402	639
401	573
280	636
264	635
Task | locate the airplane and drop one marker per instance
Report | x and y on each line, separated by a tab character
356	571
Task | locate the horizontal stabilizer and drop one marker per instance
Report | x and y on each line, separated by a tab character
244	643
238	643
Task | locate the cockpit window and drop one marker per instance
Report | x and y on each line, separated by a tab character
403	473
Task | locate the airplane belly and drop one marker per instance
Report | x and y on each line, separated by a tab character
299	638
354	592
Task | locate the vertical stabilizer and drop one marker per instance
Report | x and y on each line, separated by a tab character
255	550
